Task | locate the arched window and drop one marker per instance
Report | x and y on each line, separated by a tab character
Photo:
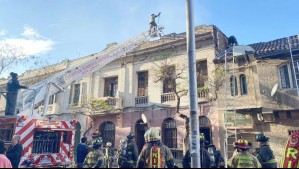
107	130
233	86
243	84
169	133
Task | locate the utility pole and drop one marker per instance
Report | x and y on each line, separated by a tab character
193	106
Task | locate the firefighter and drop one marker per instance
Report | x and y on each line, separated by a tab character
153	23
109	154
204	154
156	154
12	88
243	159
128	152
264	153
95	158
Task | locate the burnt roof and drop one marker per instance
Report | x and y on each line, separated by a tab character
266	49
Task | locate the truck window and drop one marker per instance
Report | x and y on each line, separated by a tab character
6	132
67	137
45	142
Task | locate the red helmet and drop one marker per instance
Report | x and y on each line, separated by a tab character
242	143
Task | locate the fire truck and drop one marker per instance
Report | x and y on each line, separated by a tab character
47	142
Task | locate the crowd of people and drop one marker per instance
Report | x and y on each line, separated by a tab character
156	155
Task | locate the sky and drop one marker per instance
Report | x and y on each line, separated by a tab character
55	30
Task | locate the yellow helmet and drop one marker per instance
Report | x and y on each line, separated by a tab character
154	135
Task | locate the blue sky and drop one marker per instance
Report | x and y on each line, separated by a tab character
68	29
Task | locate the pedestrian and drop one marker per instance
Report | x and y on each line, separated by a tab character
82	151
204	154
109	154
264	153
4	161
243	159
153	23
14	152
291	156
95	158
12	88
155	154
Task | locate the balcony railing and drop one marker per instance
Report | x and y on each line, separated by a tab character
115	102
167	97
52	109
141	100
111	101
203	96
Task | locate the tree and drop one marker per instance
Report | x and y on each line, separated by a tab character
174	80
92	108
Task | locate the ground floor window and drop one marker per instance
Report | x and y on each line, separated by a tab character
107	130
169	133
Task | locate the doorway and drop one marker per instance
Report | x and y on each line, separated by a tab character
140	129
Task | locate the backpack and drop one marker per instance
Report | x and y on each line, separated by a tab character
155	159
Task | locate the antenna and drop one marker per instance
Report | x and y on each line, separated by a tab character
274	90
143	117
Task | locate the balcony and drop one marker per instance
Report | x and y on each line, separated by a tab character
52	109
141	100
203	96
168	97
114	102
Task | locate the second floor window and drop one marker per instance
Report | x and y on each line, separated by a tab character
202	73
286	77
76	97
142	83
169	83
233	86
243	84
111	88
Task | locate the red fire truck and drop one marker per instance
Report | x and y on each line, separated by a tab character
45	142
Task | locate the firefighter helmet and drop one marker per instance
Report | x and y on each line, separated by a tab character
131	135
96	133
154	135
242	143
96	143
109	144
146	136
261	138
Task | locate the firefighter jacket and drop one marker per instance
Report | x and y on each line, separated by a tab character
266	157
94	159
127	154
155	155
204	155
244	160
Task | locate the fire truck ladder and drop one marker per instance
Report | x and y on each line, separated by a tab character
43	90
292	42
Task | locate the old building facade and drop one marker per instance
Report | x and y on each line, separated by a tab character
262	89
128	85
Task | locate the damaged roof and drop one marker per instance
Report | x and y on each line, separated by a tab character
275	46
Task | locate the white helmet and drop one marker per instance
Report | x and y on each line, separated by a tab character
146	136
154	135
109	144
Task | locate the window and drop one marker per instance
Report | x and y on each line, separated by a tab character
110	88
202	73
276	115
52	99
286	74
169	83
233	86
243	84
142	83
107	130
76	93
169	133
6	132
289	115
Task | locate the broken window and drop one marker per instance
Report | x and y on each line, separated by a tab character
143	83
202	73
169	83
110	88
